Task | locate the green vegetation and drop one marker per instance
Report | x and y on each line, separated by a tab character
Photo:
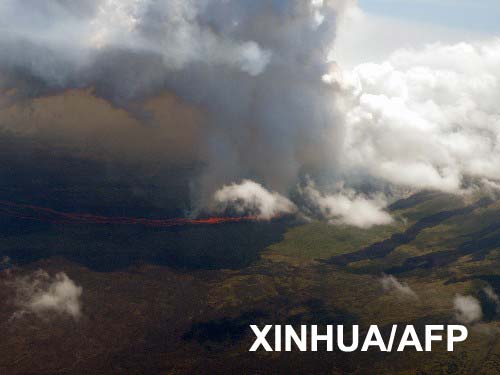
204	314
319	240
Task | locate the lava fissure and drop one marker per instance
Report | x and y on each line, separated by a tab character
31	212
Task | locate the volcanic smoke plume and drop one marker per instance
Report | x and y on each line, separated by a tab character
238	91
252	71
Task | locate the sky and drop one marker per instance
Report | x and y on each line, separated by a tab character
371	32
479	15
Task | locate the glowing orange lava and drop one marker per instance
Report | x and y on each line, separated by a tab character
31	212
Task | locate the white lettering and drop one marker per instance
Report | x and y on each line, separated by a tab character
414	341
261	338
452	338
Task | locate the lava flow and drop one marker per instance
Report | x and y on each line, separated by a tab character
31	212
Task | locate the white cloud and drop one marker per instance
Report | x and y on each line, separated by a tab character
425	118
467	309
42	294
251	197
348	207
390	283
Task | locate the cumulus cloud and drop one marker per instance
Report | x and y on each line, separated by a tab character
249	197
425	118
347	207
467	309
44	295
390	283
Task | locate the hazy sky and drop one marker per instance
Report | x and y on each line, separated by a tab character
479	15
373	31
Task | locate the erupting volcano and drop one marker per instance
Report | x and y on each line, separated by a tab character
31	212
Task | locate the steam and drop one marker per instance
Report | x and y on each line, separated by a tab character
344	207
44	295
252	68
467	309
250	197
390	283
248	91
69	38
347	207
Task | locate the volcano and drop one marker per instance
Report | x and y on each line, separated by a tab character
106	243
